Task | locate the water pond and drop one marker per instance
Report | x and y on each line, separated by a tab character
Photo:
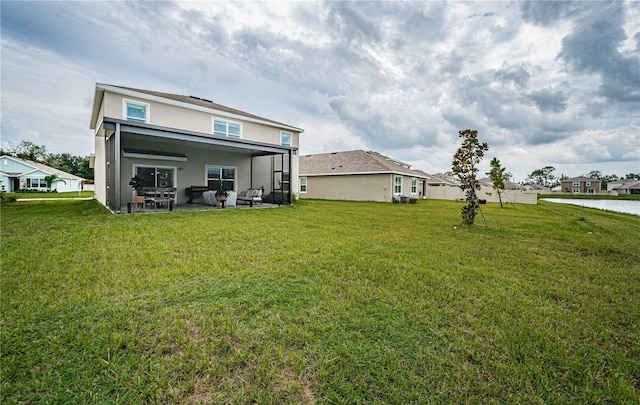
624	206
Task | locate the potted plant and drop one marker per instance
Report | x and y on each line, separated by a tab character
222	191
137	183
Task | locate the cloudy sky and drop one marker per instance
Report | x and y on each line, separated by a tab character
544	83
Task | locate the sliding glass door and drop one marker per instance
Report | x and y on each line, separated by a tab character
157	177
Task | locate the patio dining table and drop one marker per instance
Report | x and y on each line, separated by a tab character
160	198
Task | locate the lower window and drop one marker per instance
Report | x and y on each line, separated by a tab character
227	174
397	185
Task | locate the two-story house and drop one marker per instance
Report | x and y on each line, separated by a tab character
581	185
176	141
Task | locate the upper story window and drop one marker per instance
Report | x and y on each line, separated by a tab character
575	183
588	183
227	129
135	111
285	139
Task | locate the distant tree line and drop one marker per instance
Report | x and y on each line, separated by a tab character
76	165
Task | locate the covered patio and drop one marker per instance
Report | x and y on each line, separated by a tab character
179	160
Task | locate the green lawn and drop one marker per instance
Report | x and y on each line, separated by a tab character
66	194
321	302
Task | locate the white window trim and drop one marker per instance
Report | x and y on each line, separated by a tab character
306	187
213	127
147	116
575	183
235	178
575	190
394	185
282	133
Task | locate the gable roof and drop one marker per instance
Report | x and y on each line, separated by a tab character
452	181
31	166
192	102
626	185
354	162
508	185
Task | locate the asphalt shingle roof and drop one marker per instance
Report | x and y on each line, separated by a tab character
353	162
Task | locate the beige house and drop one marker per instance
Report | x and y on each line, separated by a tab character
187	143
580	185
360	176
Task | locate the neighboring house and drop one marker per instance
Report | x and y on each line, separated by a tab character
508	185
360	176
441	179
627	186
580	185
449	189
540	189
180	141
20	174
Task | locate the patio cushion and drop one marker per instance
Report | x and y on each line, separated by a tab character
209	198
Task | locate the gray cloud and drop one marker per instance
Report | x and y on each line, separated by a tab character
549	100
593	48
545	12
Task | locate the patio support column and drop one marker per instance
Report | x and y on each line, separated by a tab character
251	169
116	169
290	178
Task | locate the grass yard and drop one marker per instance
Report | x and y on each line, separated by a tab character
322	302
36	195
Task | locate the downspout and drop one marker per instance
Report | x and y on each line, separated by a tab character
116	169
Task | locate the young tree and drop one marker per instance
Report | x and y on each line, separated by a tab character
465	162
497	176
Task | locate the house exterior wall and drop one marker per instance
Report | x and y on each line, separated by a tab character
568	187
99	170
362	187
11	166
172	116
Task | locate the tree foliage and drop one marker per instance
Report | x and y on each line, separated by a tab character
497	176
53	179
465	166
543	177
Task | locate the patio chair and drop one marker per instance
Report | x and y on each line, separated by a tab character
138	202
251	196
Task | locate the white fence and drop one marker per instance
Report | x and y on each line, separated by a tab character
489	194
